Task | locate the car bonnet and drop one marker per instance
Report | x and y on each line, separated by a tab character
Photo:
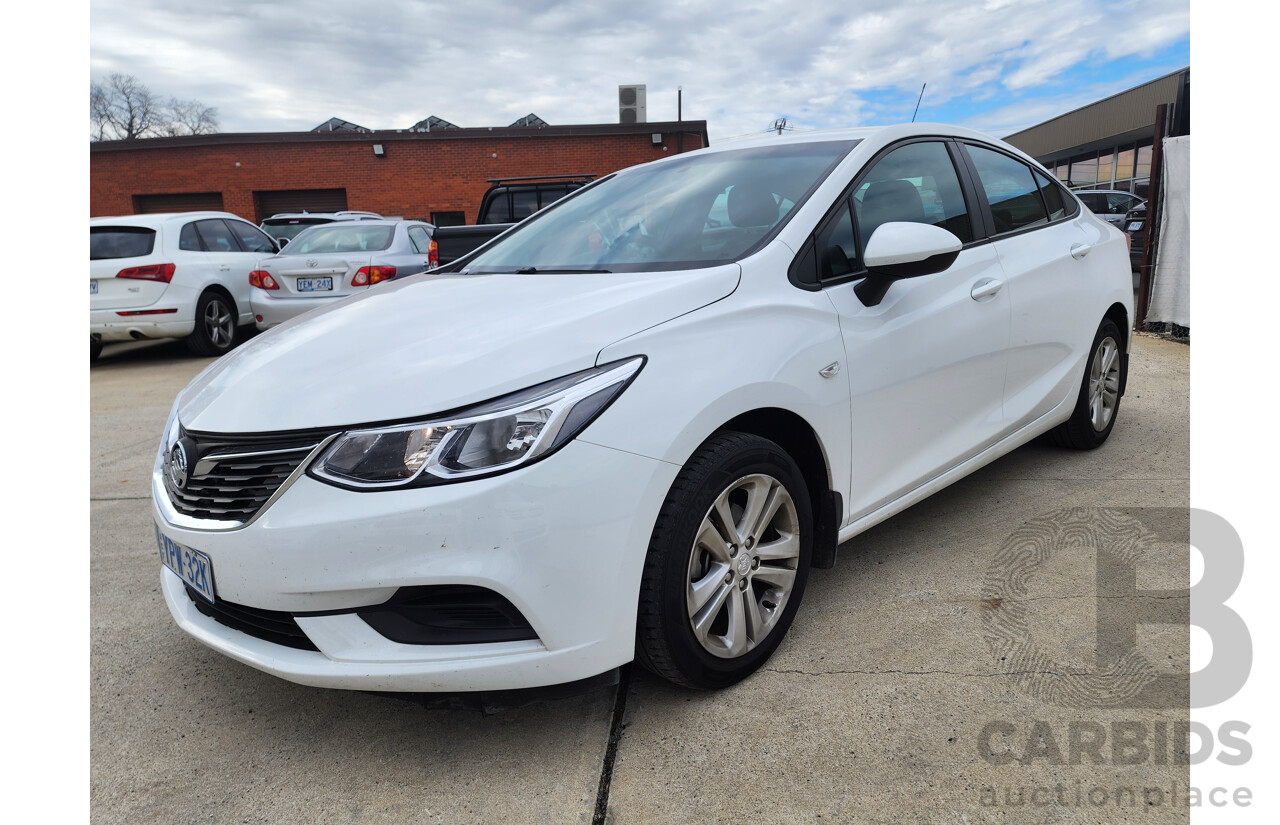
433	343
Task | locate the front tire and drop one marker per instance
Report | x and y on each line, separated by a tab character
215	332
1099	400
727	565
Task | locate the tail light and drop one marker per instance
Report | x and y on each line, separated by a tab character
433	255
150	272
370	275
262	280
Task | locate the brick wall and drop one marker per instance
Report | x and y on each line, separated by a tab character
420	174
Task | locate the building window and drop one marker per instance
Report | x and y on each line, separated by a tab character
1084	170
1124	163
449	218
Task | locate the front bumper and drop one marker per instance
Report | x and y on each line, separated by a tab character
563	539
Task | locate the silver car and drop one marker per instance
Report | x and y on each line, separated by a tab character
332	261
1109	204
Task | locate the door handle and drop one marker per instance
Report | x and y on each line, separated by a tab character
1079	250
985	289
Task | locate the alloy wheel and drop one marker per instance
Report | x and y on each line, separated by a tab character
742	566
1104	383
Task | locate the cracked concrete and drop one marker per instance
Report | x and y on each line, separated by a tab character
876	708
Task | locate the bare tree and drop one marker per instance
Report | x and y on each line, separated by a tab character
122	108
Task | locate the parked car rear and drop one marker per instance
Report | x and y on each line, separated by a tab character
178	275
285	226
1109	204
325	263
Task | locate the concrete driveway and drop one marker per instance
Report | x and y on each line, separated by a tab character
955	666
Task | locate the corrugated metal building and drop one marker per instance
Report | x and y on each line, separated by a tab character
1107	144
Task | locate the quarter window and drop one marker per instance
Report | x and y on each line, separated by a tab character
836	246
216	236
421	240
188	239
1011	190
1052	197
916	183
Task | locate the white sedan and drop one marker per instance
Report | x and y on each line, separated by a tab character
331	261
175	275
631	426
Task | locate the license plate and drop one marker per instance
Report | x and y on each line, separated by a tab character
192	566
93	287
315	284
1134	226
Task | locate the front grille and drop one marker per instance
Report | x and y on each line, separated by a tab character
231	478
269	625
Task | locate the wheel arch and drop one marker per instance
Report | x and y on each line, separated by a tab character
799	440
1120	316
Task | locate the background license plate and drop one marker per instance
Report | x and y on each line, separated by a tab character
93	287
315	284
1134	226
192	566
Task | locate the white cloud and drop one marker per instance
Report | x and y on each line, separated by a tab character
278	67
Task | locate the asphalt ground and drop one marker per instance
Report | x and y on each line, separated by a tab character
1013	649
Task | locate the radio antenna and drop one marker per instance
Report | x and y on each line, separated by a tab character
913	114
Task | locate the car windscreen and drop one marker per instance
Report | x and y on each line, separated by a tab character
697	210
106	242
341	238
290	227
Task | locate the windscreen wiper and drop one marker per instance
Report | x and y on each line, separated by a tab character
530	270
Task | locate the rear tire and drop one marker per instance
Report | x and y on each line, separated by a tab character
1099	400
727	565
215	332
95	349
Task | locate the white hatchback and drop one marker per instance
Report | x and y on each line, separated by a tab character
179	275
629	427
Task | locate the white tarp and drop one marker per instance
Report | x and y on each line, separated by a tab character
1171	293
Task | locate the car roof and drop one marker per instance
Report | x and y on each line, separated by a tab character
380	222
157	219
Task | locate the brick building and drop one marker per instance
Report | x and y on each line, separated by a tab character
410	174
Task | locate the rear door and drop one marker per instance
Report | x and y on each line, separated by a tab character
1043	240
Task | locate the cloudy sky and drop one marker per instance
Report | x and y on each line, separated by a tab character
997	65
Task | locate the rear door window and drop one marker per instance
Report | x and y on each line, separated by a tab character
107	242
1011	190
250	237
420	239
189	239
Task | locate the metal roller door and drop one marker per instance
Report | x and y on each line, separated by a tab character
300	200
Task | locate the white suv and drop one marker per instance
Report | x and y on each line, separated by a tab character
182	275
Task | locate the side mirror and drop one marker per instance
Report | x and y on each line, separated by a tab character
904	250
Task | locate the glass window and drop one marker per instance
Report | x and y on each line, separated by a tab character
1118	204
1084	170
1124	163
341	238
916	183
1062	172
1143	168
548	195
1105	165
660	216
216	236
250	237
523	204
1011	190
189	240
120	242
1052	197
837	248
421	240
1141	188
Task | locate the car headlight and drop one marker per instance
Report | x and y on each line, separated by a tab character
493	437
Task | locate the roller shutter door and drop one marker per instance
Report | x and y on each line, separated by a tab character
301	200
